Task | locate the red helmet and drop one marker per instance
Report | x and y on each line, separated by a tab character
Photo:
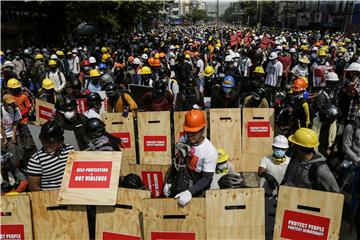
85	63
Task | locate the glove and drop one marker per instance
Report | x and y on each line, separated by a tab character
167	190
184	197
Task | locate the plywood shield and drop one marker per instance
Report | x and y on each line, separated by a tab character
308	214
123	128
163	216
225	132
43	111
154	137
51	221
16	217
235	214
257	137
89	175
125	217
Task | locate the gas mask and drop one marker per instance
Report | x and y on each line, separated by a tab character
70	115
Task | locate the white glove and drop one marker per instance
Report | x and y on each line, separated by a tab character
167	189
184	197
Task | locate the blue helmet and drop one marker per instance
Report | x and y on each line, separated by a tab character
102	66
228	82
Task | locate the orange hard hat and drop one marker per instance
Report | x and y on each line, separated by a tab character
162	55
299	85
131	59
187	52
194	121
317	44
196	54
156	62
151	61
119	65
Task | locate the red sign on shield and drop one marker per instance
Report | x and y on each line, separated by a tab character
153	181
155	143
45	112
298	226
89	174
172	235
118	236
125	138
12	231
259	129
82	106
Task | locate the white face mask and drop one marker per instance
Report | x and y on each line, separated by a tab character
69	115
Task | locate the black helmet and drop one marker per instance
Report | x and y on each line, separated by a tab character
133	181
258	94
93	99
231	180
76	83
159	89
65	104
329	114
51	131
94	127
111	89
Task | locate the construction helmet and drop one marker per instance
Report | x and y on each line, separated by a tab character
194	121
52	63
231	180
105	57
228	82
13	83
304	59
223	156
103	49
187	56
92	60
342	50
60	53
85	63
305	137
353	67
196	54
131	59
332	77
157	56
151	61
47	84
329	113
162	55
218	45
260	70
322	53
209	70
94	73
299	85
144	56
156	62
280	141
39	56
145	70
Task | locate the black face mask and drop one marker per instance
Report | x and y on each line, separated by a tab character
15	91
95	81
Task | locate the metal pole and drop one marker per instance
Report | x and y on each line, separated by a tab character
217	14
261	6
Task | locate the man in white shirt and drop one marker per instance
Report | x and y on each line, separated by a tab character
56	76
274	71
75	62
93	101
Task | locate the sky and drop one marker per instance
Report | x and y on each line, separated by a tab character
223	4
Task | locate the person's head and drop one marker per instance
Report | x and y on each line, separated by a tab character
273	57
39	57
194	126
92	62
331	79
146	74
329	114
52	137
304	141
52	65
280	145
95	76
159	89
111	90
47	85
303	61
354	70
67	106
85	65
299	86
227	84
322	56
258	94
9	103
93	101
223	157
14	87
94	128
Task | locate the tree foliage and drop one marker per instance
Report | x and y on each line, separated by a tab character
198	15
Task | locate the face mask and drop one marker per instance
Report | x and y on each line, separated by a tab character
69	115
279	153
226	90
74	55
303	64
86	69
95	81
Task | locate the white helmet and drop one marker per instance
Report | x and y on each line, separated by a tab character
353	67
74	50
277	42
144	56
331	76
228	58
273	55
92	60
172	47
237	55
54	57
137	61
279	48
292	50
26	51
314	48
280	141
8	64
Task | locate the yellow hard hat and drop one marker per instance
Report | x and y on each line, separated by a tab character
187	56
94	73
322	53
105	57
39	56
156	56
223	156
342	50
145	70
52	62
60	53
177	46
259	69
218	45
13	83
47	84
305	137
209	70
103	49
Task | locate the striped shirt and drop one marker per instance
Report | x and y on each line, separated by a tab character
273	72
50	168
